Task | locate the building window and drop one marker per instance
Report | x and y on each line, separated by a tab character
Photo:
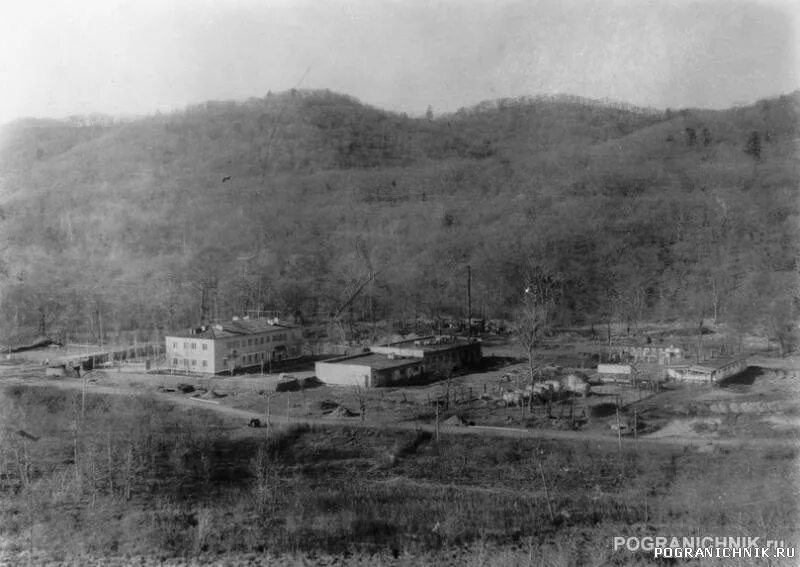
185	346
174	362
174	345
249	342
205	363
194	362
194	346
205	346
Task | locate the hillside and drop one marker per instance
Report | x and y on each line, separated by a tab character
289	202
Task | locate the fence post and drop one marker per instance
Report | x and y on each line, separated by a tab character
437	421
572	414
546	493
619	430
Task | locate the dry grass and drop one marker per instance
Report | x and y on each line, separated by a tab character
151	479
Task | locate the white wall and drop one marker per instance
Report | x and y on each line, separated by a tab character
343	374
191	353
614	369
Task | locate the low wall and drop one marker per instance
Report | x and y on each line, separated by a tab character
208	382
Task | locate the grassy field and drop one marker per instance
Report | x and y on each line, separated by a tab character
128	477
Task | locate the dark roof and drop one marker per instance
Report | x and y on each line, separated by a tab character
234	329
374	361
714	364
253	326
651	345
430	343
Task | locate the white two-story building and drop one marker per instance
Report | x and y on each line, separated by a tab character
225	347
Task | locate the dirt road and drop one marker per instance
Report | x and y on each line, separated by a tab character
245	416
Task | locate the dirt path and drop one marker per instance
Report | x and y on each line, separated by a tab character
485	431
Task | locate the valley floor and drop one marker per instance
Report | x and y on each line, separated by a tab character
133	471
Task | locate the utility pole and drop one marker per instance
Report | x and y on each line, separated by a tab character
469	300
83	397
619	430
437	419
100	323
700	342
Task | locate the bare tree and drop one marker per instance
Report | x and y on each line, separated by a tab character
360	394
265	480
533	316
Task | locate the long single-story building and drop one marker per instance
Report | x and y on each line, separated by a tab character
400	362
664	355
614	372
709	371
225	347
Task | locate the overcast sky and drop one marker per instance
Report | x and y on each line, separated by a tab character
135	57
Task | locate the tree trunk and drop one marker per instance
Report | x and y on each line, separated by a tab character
530	363
700	342
100	323
42	322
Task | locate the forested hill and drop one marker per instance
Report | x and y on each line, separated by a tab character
288	203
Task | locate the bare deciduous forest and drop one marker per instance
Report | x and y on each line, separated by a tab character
287	203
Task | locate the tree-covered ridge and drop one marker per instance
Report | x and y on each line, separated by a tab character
288	202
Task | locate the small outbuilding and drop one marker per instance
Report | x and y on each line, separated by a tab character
614	372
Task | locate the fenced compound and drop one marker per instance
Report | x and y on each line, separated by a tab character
514	399
88	356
